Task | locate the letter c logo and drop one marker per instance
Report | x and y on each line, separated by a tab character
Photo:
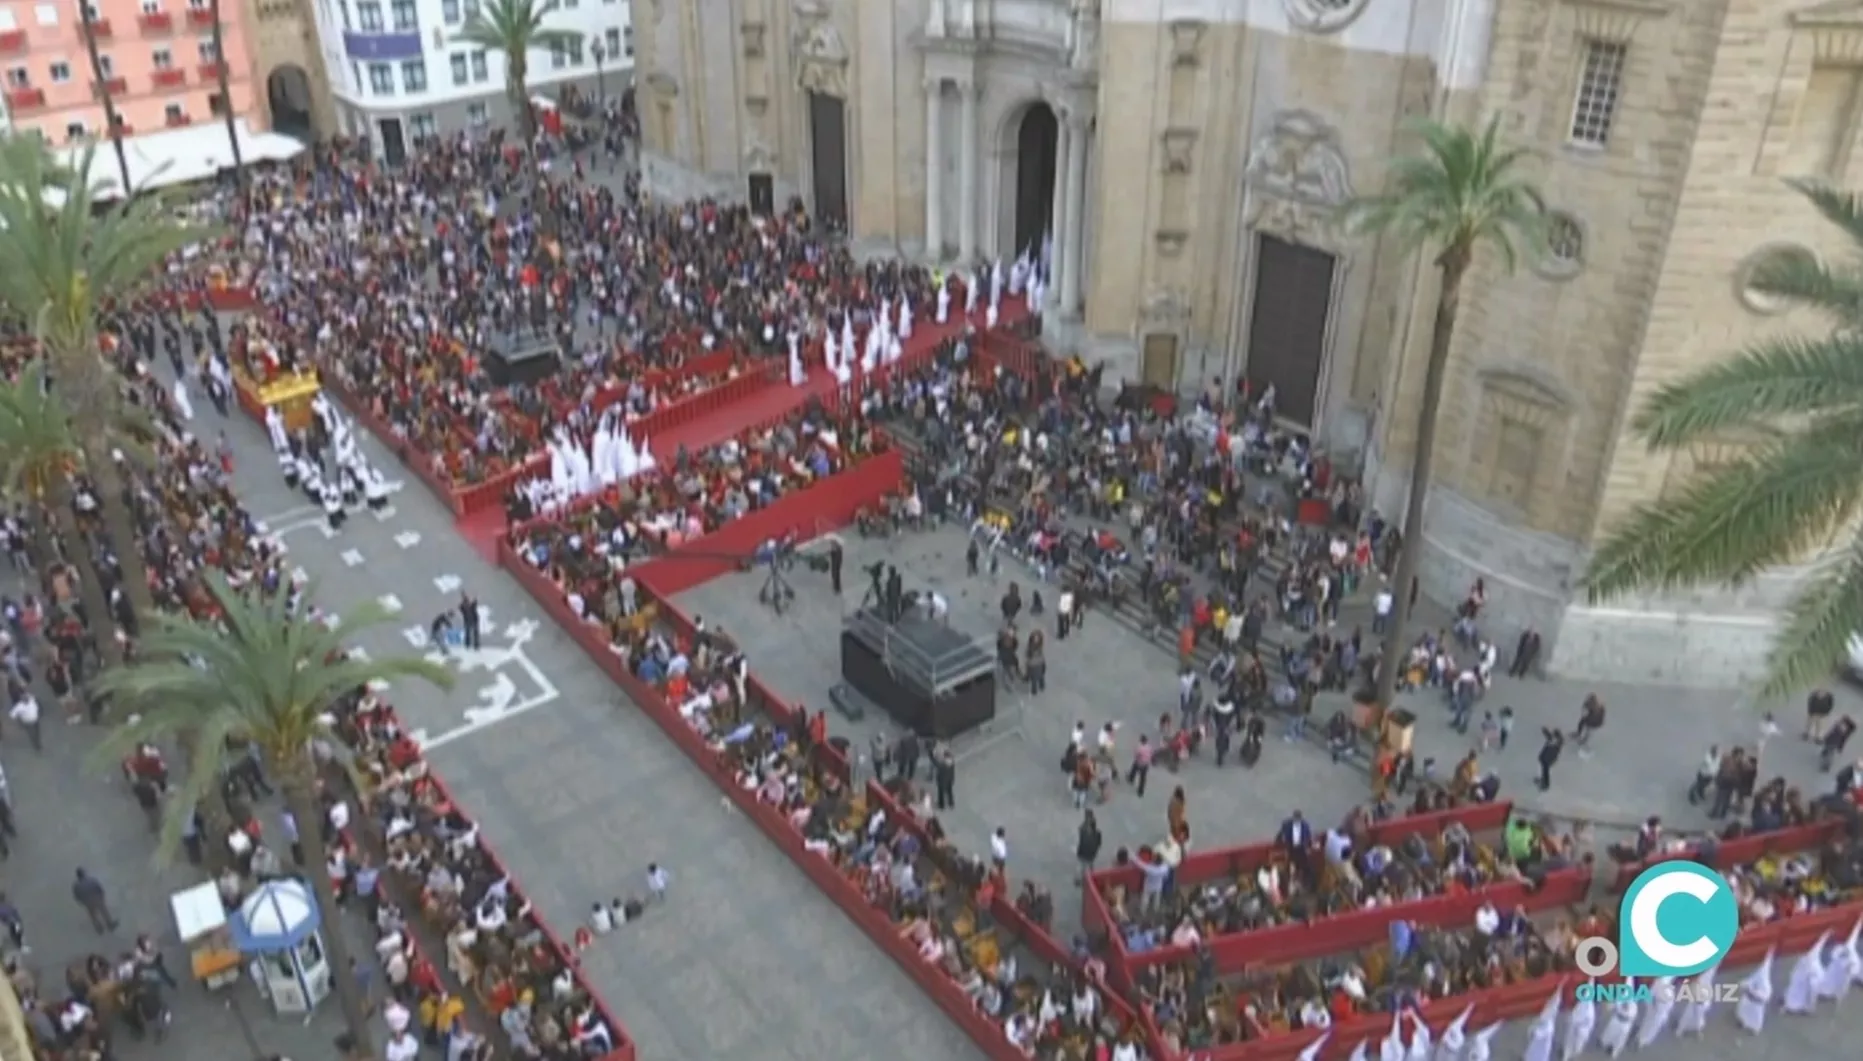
1677	919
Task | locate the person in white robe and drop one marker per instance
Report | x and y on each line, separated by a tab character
1694	1018
1038	293
894	349
905	317
797	375
1755	993
996	284
1656	1018
1019	274
830	355
1312	1052
1801	991
1481	1047
944	304
973	293
990	316
847	335
1579	1024
1449	1048
1421	1042
333	506
184	405
275	427
1359	1051
1842	967
1392	1048
1544	1029
375	491
1618	1027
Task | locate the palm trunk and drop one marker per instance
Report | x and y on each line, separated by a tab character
90	586
115	131
224	78
1455	263
120	525
296	775
516	71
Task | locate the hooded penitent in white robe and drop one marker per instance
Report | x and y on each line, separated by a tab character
944	305
831	354
1694	1016
1481	1047
1618	1027
905	317
1358	1052
847	336
275	427
1578	1028
996	285
1656	1017
184	406
1842	966
1038	294
797	374
1312	1052
973	293
1545	1027
1420	1039
1392	1048
1449	1048
1801	991
1755	993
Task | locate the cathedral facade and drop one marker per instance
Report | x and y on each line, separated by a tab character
1180	162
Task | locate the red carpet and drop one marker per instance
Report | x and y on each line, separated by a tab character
780	399
482	530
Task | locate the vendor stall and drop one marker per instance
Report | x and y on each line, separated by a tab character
200	921
276	926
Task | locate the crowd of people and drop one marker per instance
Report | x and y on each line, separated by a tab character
939	901
396	287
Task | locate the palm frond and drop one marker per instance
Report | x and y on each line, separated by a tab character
1771	381
1770	508
1818	623
1801	280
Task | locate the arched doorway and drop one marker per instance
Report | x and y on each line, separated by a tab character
1038	139
288	92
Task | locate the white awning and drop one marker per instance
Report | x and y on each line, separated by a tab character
180	156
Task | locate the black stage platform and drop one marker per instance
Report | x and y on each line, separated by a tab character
521	357
930	678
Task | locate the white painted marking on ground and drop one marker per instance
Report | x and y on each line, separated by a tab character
299	575
499	701
407	539
383	514
289	515
359	654
390	602
354	557
416	636
332	621
448	584
378	686
261	528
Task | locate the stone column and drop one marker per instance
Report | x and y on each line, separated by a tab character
1057	217
934	169
967	177
1076	224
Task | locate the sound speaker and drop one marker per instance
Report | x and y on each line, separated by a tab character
762	194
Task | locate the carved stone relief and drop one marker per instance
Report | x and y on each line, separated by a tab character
758	158
1165	309
1186	41
822	62
1171	241
753	34
1323	16
1179	145
1299	160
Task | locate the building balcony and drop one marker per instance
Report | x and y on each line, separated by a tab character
176	121
114	87
25	99
100	29
169	78
210	72
156	22
200	17
12	42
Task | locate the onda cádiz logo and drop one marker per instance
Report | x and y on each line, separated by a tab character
1678	919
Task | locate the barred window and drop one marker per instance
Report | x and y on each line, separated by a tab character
1600	85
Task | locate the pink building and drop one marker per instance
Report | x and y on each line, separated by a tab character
159	65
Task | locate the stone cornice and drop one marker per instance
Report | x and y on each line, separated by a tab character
1616	20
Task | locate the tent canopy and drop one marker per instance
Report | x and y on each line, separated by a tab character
180	156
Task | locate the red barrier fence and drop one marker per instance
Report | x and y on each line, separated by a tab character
678	414
1746	850
878	926
1273	944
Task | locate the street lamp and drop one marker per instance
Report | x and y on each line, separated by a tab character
601	77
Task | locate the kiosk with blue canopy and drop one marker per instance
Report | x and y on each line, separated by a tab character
277	926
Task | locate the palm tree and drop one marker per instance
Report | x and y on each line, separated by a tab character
1461	191
223	75
58	265
39	454
267	674
514	28
104	96
1797	490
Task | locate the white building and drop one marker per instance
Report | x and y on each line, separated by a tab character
399	74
